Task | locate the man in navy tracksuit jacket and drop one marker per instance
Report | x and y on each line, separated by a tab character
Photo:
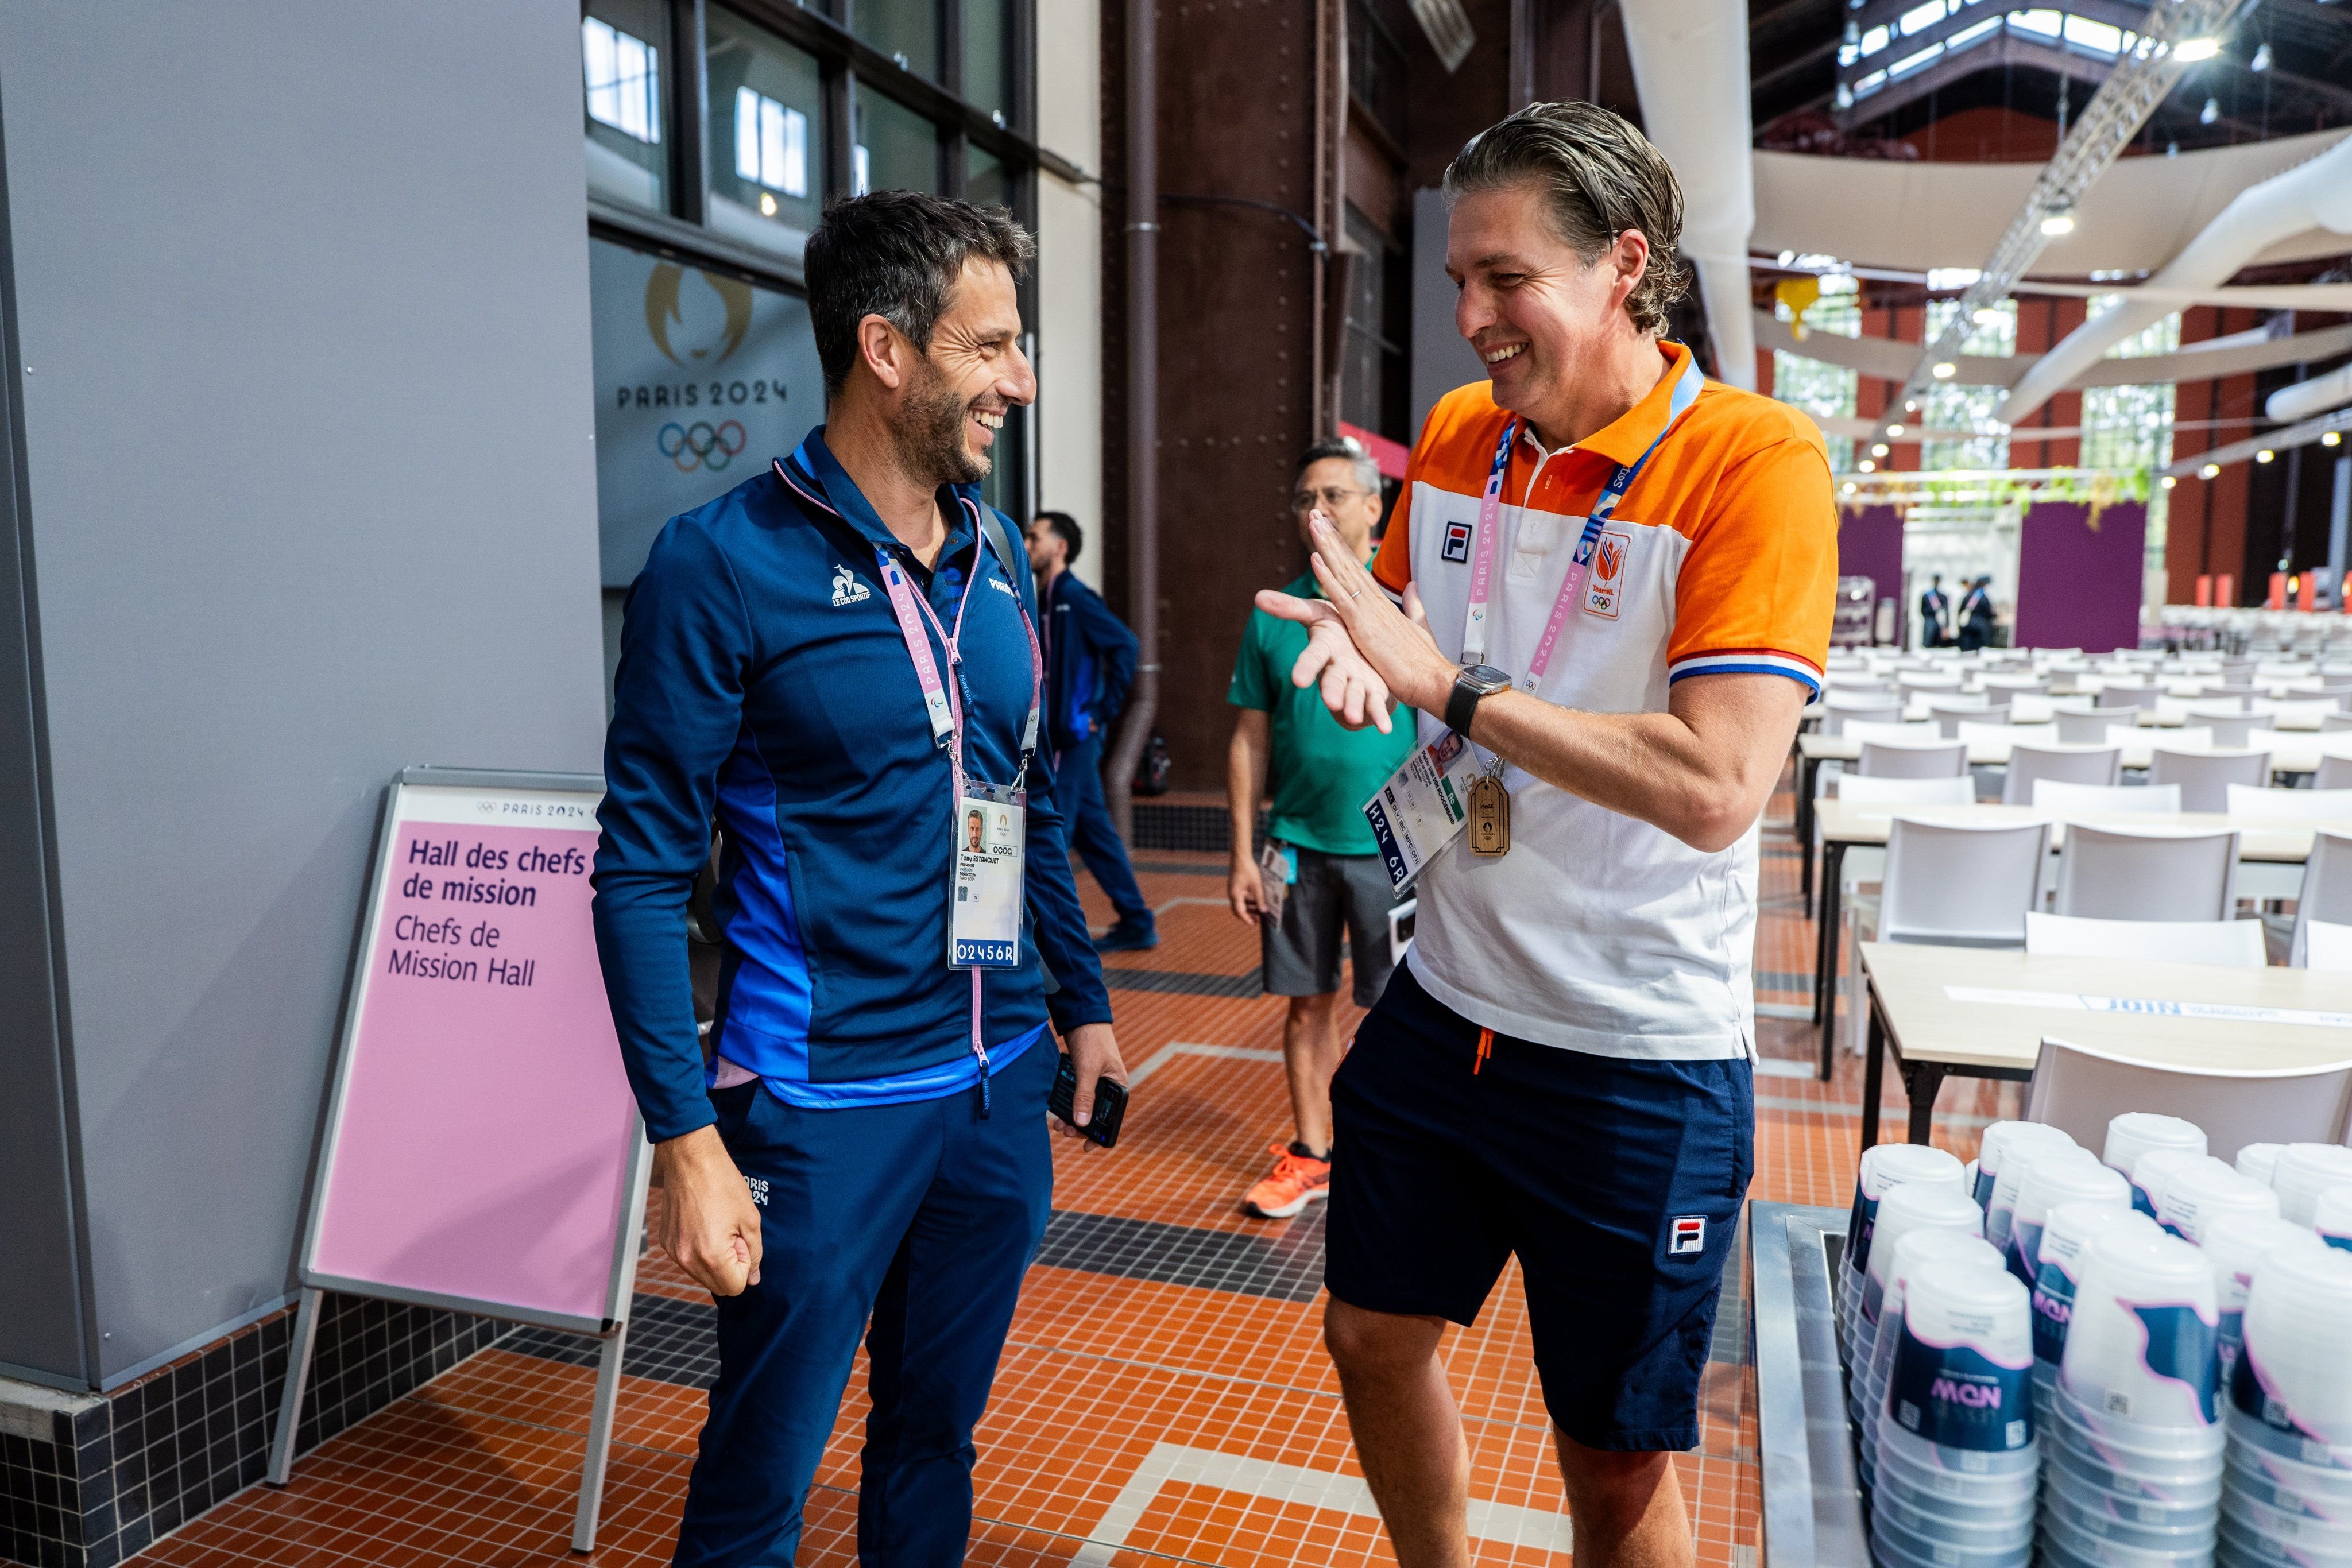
847	1151
1089	665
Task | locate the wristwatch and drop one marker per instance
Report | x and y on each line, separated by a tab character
1474	683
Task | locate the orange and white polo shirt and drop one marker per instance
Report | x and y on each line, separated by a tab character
1597	932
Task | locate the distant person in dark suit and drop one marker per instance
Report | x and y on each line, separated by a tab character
1976	615
1089	665
1935	614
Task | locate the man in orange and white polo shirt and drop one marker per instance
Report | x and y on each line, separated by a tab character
1616	583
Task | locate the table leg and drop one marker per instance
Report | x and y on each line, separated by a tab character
1832	912
1920	1082
1809	770
1874	1072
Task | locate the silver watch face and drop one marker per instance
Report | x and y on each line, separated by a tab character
1484	679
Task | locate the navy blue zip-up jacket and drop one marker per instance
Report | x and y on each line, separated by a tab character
1089	662
763	682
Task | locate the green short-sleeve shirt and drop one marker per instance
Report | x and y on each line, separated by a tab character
1320	772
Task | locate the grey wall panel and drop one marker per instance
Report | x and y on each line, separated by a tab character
41	1296
1442	360
304	299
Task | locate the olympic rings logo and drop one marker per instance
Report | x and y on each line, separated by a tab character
699	446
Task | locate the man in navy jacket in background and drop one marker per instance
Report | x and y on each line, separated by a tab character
868	1135
1089	665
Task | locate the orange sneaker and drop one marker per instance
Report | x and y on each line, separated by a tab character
1298	1180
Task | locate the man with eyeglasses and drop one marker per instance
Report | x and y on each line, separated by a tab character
1321	872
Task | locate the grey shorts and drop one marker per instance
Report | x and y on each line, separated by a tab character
1333	893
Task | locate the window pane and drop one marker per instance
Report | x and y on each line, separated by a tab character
895	148
906	30
987	57
620	61
767	136
984	179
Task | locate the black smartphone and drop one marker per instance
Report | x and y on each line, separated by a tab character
1110	1104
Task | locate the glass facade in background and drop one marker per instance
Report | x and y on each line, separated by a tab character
1949	407
1372	357
623	94
1822	390
985	180
894	148
988	58
765	134
906	30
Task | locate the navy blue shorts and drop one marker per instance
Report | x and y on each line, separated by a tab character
1616	1183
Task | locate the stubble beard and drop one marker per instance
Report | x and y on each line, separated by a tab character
930	433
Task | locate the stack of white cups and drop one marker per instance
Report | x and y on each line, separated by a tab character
2288	1493
2027	1140
2234	1246
1957	1454
2258	1160
1914	1251
1885	1167
2134	1450
1913	1206
2331	1216
2066	1236
2138	1134
1985	1169
2053	1177
2201	1191
2304	1171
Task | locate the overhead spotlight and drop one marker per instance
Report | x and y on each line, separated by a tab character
1848	489
1867	467
2333	438
2210	471
1894	431
2210	112
767	206
2189	51
2264	455
1879	449
1844	98
1943	370
2058	224
2169	481
1989	316
1911	405
2261	61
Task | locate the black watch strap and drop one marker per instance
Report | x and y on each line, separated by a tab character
1470	686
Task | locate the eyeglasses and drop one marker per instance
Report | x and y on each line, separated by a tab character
1327	499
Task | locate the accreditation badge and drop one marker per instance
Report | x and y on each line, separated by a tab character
984	915
1422	808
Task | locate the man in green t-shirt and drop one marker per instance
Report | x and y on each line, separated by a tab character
1322	872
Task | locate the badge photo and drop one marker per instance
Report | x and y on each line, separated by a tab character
1457	541
1605	593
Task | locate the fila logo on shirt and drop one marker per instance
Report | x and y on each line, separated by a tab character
1686	1235
1457	541
847	589
1606	591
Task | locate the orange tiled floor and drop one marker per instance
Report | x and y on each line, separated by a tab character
479	1467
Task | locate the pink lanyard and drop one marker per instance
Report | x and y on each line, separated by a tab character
1687	384
943	699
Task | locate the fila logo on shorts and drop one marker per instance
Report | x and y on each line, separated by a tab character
1457	541
1686	1235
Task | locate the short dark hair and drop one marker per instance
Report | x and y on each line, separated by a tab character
897	254
1599	177
1066	527
1348	450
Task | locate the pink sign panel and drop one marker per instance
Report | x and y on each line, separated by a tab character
481	1147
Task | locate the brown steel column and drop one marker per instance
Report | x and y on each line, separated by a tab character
1142	404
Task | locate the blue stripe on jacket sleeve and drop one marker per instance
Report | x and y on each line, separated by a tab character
677	710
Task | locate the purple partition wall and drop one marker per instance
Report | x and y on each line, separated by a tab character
1870	544
2078	581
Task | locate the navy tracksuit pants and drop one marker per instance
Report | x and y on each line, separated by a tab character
1078	793
923	1217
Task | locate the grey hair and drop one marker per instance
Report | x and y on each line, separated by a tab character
897	254
1599	177
1348	450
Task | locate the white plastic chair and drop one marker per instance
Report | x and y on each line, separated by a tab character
2302	715
2202	775
2081	1088
2123	735
1926	733
2126	694
2234	706
2072	764
1837	714
2335	723
2057	795
1880	760
2235	943
2018	685
2296	807
2335	773
2326	895
2327	946
1951	718
2236	732
2147	874
2090	728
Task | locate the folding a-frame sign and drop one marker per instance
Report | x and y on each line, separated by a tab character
482	1151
